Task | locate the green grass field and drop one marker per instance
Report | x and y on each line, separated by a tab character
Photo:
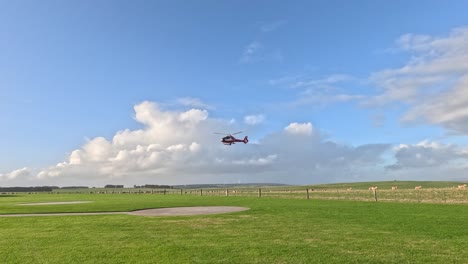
432	191
388	184
275	230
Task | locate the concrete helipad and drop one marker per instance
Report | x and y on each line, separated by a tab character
199	210
175	211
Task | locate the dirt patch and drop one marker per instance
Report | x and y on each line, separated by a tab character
52	203
176	211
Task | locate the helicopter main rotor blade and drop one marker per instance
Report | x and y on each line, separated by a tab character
220	133
236	133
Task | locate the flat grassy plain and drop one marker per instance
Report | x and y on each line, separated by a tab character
444	192
274	230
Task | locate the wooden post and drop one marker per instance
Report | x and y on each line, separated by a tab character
164	191
227	192
259	192
201	192
180	191
307	193
375	194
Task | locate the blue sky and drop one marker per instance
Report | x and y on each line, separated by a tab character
358	75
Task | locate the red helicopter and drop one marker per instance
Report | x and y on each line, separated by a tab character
229	139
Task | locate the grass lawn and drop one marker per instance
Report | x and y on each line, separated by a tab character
273	231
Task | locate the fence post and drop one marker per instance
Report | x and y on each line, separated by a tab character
180	191
201	192
259	192
375	194
227	192
307	193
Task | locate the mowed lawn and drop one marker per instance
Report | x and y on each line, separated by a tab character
274	230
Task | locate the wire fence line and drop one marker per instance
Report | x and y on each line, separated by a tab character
429	195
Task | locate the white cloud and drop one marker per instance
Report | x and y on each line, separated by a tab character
427	155
194	102
17	174
254	119
299	128
449	108
433	83
166	139
257	161
176	147
320	92
328	80
97	150
311	97
251	52
257	52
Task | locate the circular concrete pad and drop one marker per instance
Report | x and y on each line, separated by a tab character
196	210
175	211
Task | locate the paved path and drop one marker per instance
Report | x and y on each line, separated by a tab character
175	211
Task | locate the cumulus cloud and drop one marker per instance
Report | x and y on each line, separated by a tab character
165	140
179	147
427	154
428	160
433	83
17	174
299	128
302	150
257	161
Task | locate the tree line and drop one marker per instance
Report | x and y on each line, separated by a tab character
153	186
29	189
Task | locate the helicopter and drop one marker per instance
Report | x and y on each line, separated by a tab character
229	139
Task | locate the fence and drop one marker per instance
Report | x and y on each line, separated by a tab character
431	195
